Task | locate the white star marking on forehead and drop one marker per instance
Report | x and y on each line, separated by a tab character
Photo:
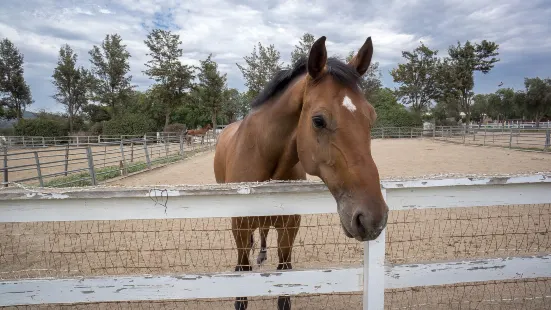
347	103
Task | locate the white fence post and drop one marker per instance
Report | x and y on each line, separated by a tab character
374	272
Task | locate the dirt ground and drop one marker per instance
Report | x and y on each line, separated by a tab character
394	159
206	245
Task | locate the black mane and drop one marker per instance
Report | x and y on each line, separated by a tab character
339	70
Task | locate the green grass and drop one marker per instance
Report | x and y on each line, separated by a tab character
106	173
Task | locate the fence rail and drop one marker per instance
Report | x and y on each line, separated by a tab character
280	198
89	163
518	138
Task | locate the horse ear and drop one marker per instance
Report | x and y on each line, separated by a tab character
362	59
317	58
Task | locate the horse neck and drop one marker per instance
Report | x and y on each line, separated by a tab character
276	124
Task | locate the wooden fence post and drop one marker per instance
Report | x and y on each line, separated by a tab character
146	152
510	136
124	168
66	159
6	179
485	131
182	146
374	272
132	151
38	170
91	165
547	140
166	144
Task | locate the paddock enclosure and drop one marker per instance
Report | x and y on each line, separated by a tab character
468	229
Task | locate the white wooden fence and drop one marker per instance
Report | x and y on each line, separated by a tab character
105	203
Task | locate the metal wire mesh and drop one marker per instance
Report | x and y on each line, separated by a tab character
68	249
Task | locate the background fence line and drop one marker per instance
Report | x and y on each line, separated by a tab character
76	162
89	163
278	198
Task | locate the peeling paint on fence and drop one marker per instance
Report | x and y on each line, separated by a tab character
494	269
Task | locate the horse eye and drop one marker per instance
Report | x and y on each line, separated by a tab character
318	121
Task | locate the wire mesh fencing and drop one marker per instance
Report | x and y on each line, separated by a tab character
195	246
513	138
92	163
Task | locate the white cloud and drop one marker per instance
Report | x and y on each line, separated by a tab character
229	30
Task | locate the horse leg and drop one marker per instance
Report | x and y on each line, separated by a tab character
287	230
242	229
262	255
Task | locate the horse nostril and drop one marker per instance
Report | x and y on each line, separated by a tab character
358	222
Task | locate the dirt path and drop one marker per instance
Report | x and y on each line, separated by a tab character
394	159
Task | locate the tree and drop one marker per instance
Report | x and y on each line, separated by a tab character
537	99
72	84
482	106
417	78
503	104
303	48
370	82
96	113
110	67
236	105
455	78
211	88
174	79
15	94
390	112
259	68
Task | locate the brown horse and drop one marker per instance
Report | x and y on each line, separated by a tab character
312	118
190	133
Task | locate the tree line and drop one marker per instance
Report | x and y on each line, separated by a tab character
102	98
443	87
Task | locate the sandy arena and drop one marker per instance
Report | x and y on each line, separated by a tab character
394	159
195	246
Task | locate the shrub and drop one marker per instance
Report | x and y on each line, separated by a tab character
179	128
41	126
96	129
129	124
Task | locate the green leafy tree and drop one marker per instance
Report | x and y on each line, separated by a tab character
110	68
174	79
482	107
211	89
303	48
537	98
259	68
72	84
236	106
455	78
417	78
15	94
390	112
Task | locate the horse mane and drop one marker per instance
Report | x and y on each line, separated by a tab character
342	72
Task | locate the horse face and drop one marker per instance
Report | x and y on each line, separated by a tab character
334	140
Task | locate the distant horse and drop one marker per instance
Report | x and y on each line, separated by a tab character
190	133
311	118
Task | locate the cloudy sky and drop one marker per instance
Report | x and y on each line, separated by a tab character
229	30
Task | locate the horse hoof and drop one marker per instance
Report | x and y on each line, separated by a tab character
241	303
284	303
